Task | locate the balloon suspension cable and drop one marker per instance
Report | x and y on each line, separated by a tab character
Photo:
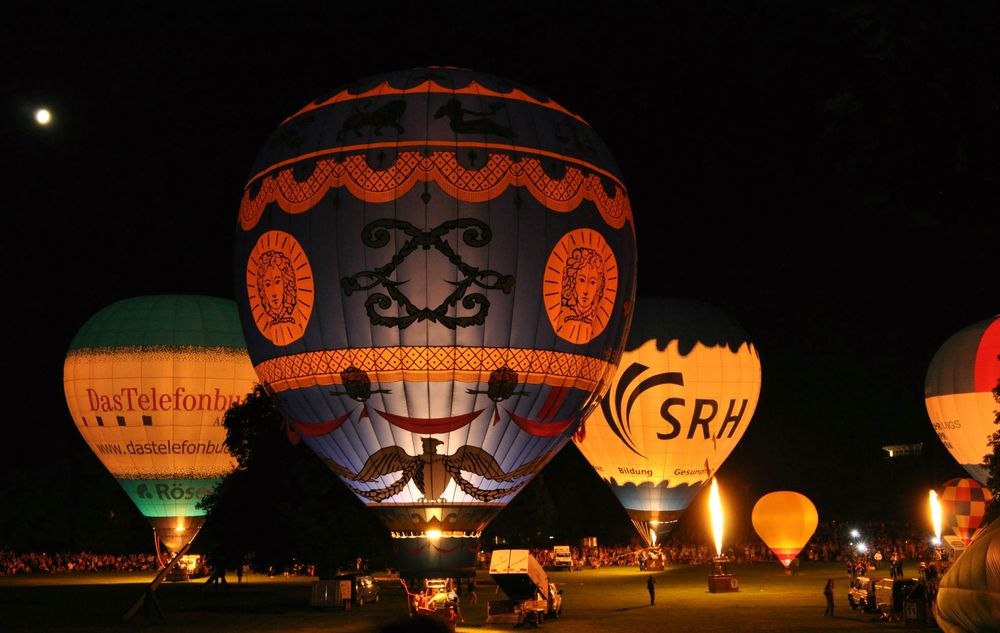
645	530
147	598
157	550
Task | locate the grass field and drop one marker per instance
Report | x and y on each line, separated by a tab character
605	600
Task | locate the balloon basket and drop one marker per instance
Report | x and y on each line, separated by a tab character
720	580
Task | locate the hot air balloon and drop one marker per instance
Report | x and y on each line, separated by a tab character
967	595
683	396
435	269
958	393
148	381
785	521
963	506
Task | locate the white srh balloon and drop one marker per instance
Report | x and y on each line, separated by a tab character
681	399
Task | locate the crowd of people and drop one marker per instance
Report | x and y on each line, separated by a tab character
860	546
12	563
874	544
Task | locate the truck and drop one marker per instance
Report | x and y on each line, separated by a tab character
532	597
562	557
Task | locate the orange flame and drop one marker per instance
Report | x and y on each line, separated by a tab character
715	506
935	515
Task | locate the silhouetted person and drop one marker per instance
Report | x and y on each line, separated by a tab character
651	588
828	592
218	577
471	591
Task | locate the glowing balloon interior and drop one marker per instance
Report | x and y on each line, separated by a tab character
785	521
967	596
683	396
435	269
148	381
958	393
963	506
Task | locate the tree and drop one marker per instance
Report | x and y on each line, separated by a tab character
991	461
281	504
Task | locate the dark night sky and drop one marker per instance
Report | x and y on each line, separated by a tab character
825	172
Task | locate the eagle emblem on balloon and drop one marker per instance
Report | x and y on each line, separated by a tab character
431	472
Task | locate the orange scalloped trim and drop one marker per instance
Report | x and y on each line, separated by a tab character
474	88
433	364
442	167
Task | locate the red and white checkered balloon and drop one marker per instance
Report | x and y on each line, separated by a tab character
963	505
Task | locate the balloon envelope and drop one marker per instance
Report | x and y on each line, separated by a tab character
967	599
785	521
148	381
681	399
963	506
959	393
434	271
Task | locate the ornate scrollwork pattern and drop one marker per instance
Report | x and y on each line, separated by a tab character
475	234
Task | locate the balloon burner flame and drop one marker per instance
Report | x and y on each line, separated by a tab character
715	507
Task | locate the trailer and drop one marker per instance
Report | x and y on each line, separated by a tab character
531	596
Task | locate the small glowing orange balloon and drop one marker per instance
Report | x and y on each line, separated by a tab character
785	521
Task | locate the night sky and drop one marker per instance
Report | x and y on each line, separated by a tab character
827	173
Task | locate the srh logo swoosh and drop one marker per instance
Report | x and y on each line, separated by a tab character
618	418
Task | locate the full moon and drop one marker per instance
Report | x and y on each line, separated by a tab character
43	116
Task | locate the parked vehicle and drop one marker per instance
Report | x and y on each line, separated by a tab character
562	557
532	597
890	595
861	594
344	589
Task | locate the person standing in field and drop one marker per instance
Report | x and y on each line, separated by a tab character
471	591
828	592
651	588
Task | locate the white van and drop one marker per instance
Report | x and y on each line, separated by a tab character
563	557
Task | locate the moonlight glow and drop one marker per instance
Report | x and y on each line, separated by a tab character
43	116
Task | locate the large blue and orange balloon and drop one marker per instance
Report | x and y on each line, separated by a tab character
959	393
148	381
682	398
435	269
